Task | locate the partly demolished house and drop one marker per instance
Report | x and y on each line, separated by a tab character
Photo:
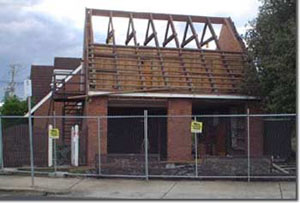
197	67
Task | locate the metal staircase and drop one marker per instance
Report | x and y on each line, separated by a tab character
68	90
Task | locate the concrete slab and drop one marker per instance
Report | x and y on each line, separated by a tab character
92	188
126	189
58	185
288	190
224	190
15	181
54	185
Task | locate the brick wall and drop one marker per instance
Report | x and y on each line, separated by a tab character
179	142
227	40
46	110
96	106
256	131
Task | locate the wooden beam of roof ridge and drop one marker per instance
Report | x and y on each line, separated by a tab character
156	16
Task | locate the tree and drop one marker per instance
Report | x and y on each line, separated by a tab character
13	107
272	47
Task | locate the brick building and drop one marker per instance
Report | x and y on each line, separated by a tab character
164	76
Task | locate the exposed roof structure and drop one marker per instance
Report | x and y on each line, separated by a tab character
131	67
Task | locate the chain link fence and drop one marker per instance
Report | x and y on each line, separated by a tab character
241	146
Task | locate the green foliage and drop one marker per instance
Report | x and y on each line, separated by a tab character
13	107
272	47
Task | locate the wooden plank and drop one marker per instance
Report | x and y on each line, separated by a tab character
175	59
213	32
155	16
130	69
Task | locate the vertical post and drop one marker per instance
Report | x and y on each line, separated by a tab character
50	147
146	142
196	151
31	141
248	143
76	143
73	146
99	146
54	143
1	146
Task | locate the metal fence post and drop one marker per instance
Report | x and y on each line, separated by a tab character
146	143
31	142
196	151
248	143
54	144
1	146
99	146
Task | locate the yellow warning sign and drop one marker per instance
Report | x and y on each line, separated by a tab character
54	133
196	127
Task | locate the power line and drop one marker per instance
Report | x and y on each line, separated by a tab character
4	81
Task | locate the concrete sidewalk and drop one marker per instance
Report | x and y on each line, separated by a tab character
92	188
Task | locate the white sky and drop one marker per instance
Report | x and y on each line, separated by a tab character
241	11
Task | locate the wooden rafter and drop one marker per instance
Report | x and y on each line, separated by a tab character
229	71
203	33
174	31
132	34
173	36
155	16
111	36
151	23
120	68
202	42
153	35
215	38
209	72
89	39
110	31
194	36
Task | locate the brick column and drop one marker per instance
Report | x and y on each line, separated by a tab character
179	136
97	106
256	131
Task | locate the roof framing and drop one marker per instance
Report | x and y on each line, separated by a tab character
170	18
155	16
159	67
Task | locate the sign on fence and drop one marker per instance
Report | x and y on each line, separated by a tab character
196	127
54	133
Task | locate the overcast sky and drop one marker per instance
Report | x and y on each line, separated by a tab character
35	31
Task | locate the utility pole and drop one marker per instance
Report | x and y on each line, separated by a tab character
10	90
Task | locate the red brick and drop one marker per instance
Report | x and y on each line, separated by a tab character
97	106
228	40
179	136
256	131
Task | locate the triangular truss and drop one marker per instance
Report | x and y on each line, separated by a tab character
153	35
131	33
110	32
168	39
